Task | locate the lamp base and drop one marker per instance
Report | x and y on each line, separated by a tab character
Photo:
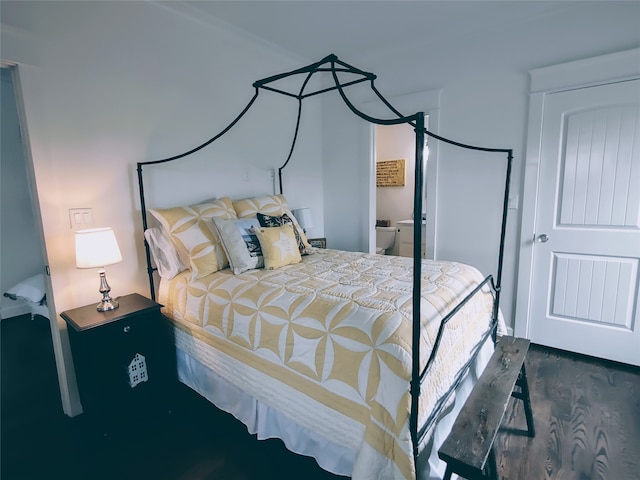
107	302
107	305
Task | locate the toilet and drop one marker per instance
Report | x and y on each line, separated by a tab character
385	236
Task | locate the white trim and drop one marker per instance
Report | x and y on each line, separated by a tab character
600	70
371	223
583	73
431	185
528	215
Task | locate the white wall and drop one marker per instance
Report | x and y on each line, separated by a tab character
489	110
347	172
109	84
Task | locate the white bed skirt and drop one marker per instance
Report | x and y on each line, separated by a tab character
267	422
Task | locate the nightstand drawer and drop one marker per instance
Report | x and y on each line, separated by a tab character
122	334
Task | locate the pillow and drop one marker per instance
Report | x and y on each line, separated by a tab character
274	205
30	289
164	254
194	235
271	221
240	243
279	246
269	204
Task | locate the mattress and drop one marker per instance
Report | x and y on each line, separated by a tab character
326	344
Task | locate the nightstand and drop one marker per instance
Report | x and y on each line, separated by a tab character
124	360
318	242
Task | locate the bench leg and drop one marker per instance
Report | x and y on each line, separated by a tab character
523	395
491	468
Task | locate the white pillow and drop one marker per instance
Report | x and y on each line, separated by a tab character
31	289
240	243
163	252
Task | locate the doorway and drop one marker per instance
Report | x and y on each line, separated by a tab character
428	102
395	203
27	244
21	248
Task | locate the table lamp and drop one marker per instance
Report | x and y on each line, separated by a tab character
303	215
96	248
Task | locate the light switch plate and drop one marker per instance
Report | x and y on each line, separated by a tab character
80	218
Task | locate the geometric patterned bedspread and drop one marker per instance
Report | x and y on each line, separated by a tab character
327	342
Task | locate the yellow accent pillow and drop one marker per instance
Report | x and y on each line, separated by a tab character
191	230
279	246
274	205
270	204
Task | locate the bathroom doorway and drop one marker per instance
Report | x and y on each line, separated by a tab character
394	204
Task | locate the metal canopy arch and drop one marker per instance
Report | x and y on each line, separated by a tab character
331	64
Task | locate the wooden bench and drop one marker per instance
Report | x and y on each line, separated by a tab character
468	450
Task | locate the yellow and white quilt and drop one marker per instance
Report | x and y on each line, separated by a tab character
327	342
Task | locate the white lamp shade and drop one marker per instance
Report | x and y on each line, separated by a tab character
303	215
96	247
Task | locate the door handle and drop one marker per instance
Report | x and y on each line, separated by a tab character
543	238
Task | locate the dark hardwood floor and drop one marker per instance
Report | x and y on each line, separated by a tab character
587	419
587	416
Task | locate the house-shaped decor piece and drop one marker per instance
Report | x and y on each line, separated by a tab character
137	370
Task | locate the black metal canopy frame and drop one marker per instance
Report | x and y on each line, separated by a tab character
331	64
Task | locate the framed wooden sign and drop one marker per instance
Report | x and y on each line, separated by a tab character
390	173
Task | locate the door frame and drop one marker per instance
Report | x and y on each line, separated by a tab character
589	72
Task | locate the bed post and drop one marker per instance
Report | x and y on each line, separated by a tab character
417	276
503	233
143	210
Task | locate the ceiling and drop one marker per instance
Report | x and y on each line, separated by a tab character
388	36
311	29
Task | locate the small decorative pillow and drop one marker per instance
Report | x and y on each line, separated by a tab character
272	221
279	246
164	254
31	290
274	205
240	243
192	232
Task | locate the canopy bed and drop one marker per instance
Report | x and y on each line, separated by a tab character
353	358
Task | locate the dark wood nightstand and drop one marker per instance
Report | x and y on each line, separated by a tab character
318	242
124	361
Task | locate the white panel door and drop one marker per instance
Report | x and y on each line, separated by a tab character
587	242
